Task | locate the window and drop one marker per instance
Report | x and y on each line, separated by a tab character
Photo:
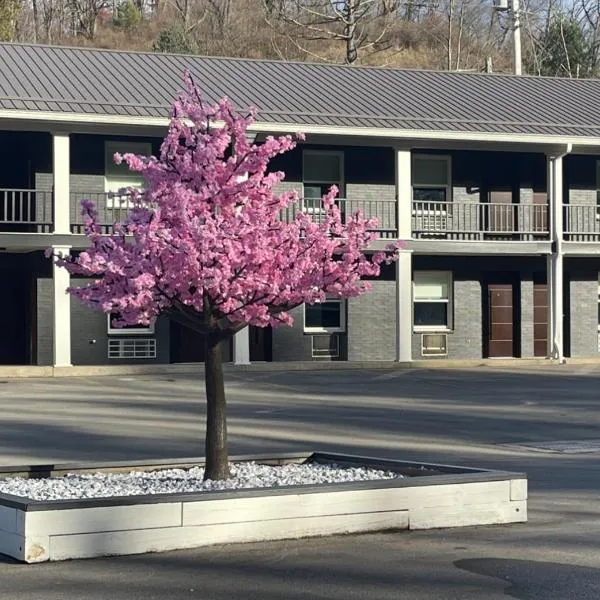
325	317
432	300
321	169
431	178
128	329
117	177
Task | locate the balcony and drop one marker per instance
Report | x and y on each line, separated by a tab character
480	221
581	223
26	211
111	208
385	211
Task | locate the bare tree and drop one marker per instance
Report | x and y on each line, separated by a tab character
85	14
220	11
360	25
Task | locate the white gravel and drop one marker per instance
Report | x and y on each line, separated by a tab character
170	481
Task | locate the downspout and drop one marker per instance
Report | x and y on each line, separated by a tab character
555	183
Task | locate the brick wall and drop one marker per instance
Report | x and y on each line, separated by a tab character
290	343
45	317
583	289
372	323
526	316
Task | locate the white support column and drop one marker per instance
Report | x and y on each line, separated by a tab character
61	312
404	306
241	347
555	262
61	171
551	309
404	264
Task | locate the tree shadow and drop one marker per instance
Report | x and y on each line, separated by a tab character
533	580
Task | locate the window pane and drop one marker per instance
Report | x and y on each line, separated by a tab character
431	286
429	171
326	315
322	167
429	194
431	314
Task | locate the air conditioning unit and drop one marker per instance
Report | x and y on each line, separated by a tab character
326	346
434	344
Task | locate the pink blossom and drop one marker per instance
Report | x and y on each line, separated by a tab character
206	238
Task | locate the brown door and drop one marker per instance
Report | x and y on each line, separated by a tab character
501	216
500	320
540	319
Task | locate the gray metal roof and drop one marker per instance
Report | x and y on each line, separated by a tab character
102	82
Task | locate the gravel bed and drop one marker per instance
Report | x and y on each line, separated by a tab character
170	481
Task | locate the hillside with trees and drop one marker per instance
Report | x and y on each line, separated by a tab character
557	39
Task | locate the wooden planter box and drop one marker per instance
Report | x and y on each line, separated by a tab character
430	496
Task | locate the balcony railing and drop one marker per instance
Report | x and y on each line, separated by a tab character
26	211
384	211
111	208
581	223
479	221
114	208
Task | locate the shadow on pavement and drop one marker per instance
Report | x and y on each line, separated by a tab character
533	580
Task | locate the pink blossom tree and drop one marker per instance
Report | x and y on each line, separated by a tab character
205	244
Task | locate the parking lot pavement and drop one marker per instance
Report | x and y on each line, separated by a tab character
479	417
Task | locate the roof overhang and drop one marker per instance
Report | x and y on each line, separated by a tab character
76	122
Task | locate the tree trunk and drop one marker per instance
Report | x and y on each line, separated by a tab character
217	459
350	32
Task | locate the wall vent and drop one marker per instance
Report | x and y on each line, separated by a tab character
326	346
434	344
132	348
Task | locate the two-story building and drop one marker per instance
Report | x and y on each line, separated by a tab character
491	180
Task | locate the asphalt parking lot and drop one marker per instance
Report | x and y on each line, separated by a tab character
480	417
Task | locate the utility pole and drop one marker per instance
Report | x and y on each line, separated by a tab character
514	9
516	15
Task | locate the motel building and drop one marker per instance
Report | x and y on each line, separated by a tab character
491	181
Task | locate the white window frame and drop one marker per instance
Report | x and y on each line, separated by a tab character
340	329
448	185
133	179
448	275
340	184
148	330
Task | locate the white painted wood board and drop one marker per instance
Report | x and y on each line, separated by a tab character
158	540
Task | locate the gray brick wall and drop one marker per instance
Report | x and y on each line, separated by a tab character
465	340
526	317
582	196
45	316
372	323
87	187
583	289
290	343
581	215
377	200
